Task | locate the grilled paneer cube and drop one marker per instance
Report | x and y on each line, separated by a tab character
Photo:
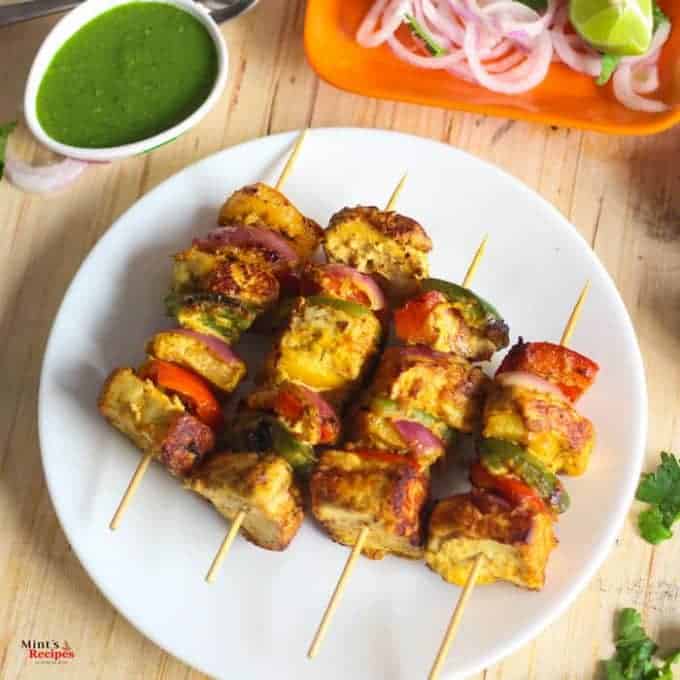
262	203
448	324
385	492
327	346
515	540
263	486
444	386
248	282
545	424
386	244
206	356
155	422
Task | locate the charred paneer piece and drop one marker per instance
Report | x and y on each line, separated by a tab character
515	540
245	280
444	386
385	492
459	322
262	203
155	422
222	369
263	486
547	425
327	346
391	246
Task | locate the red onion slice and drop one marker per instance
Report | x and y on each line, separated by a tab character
40	179
314	399
529	381
246	235
219	348
363	282
418	438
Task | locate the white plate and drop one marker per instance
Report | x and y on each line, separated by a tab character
258	619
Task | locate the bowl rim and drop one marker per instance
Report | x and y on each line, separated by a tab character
73	22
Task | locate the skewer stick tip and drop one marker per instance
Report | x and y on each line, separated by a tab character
456	618
337	593
224	548
288	167
472	269
395	194
130	491
573	317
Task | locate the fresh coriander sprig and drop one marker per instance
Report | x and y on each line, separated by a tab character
634	658
661	489
432	46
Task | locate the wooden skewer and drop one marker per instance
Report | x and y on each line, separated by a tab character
144	463
288	167
456	618
395	194
573	317
363	534
337	593
472	269
130	491
457	615
224	548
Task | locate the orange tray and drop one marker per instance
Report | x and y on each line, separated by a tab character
565	98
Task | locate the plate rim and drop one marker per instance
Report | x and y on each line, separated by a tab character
625	498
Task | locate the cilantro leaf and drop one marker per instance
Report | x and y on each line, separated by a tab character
432	46
661	489
535	4
659	15
609	64
651	526
5	131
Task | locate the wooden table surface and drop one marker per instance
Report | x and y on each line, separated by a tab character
623	195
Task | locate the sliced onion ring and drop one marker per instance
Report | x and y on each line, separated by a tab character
314	399
363	282
529	381
246	235
418	438
219	348
40	179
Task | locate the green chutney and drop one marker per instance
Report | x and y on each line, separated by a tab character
130	73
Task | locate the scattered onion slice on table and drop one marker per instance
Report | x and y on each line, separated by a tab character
41	179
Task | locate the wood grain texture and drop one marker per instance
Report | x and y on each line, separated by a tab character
623	195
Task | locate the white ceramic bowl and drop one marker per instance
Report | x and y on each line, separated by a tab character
71	23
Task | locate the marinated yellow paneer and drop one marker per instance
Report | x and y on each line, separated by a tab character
445	386
226	274
384	492
224	370
262	203
263	486
383	243
155	422
547	425
515	541
325	347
